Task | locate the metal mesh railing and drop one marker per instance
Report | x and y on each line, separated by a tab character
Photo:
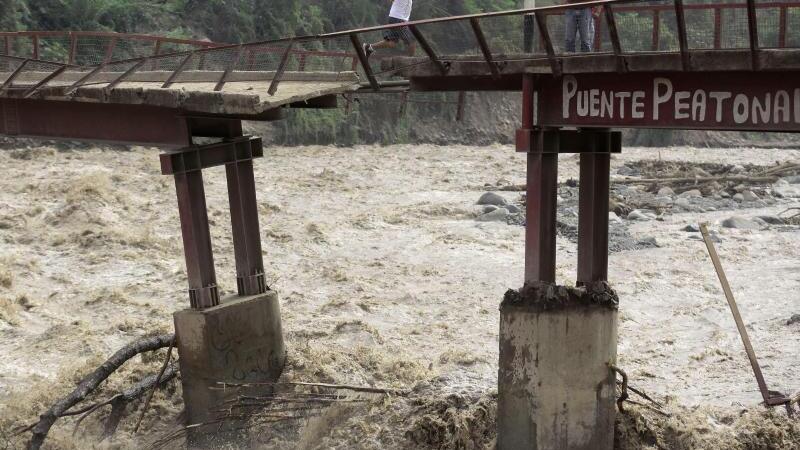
617	26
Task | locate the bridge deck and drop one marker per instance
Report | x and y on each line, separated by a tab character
492	52
245	94
472	74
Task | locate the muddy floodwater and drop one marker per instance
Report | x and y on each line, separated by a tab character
386	279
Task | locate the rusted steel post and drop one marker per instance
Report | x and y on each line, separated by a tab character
230	68
596	39
428	49
683	43
244	224
593	217
174	75
156	52
656	30
35	39
614	36
480	37
203	291
246	235
273	86
540	209
73	48
541	23
112	44
782	27
752	27
251	59
362	57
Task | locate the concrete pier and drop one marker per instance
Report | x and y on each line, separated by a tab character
556	390
239	341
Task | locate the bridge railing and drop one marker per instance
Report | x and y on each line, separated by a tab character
621	27
87	48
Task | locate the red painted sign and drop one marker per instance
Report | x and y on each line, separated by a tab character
700	100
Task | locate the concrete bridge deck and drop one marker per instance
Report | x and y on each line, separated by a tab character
245	95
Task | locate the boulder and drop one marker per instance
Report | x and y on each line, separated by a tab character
682	203
666	190
741	223
749	196
641	214
691	193
490	198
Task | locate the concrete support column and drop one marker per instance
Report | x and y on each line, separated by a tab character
239	341
557	344
556	390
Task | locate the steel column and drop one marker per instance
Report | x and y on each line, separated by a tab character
243	204
683	43
593	217
656	29
782	27
246	234
203	291
540	209
752	28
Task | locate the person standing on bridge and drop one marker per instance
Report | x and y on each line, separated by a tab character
400	13
581	22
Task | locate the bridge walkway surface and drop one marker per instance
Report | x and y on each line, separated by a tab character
662	64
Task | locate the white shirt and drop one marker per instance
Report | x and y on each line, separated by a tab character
401	9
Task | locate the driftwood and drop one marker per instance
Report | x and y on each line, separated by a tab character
121	400
367	389
89	383
739	178
770	175
243	412
782	168
157	381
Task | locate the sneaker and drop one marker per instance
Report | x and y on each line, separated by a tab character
368	50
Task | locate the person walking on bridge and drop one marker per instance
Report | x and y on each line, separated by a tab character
581	22
399	13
